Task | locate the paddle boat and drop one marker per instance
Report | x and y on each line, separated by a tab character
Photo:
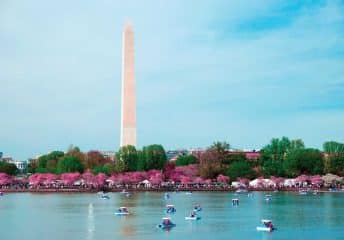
193	216
241	190
170	209
303	192
166	223
235	202
268	197
124	191
197	208
104	196
128	194
267	226
122	211
188	193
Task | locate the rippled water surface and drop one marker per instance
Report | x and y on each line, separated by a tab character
85	216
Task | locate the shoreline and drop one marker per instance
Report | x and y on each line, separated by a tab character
73	190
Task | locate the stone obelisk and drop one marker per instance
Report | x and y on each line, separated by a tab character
128	108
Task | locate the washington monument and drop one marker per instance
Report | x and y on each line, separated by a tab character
128	107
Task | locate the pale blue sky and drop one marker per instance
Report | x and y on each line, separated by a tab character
241	71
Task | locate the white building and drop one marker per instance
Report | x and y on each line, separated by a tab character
21	165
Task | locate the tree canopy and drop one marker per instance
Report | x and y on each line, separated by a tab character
8	168
69	164
154	156
183	160
128	155
304	161
240	169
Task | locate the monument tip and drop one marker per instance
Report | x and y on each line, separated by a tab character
128	25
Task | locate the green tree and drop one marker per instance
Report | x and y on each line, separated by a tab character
119	166
183	160
42	164
304	161
107	169
155	156
128	155
332	147
141	161
69	164
337	163
8	168
75	152
240	169
273	167
47	163
273	155
296	144
277	148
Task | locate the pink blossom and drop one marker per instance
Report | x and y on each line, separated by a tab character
302	178
198	180
156	179
243	182
208	181
316	180
5	179
277	180
185	180
36	179
260	182
100	180
69	178
88	177
222	179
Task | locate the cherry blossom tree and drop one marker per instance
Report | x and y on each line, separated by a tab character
260	182
88	178
316	180
243	182
69	178
100	180
5	179
222	179
198	180
185	180
156	179
208	181
277	180
36	179
302	179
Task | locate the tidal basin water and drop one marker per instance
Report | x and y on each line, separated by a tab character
84	216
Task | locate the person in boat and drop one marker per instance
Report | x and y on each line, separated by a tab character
192	214
166	221
197	206
269	225
170	209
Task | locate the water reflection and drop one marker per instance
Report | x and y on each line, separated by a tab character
84	216
90	222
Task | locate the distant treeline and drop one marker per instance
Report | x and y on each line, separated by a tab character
281	157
